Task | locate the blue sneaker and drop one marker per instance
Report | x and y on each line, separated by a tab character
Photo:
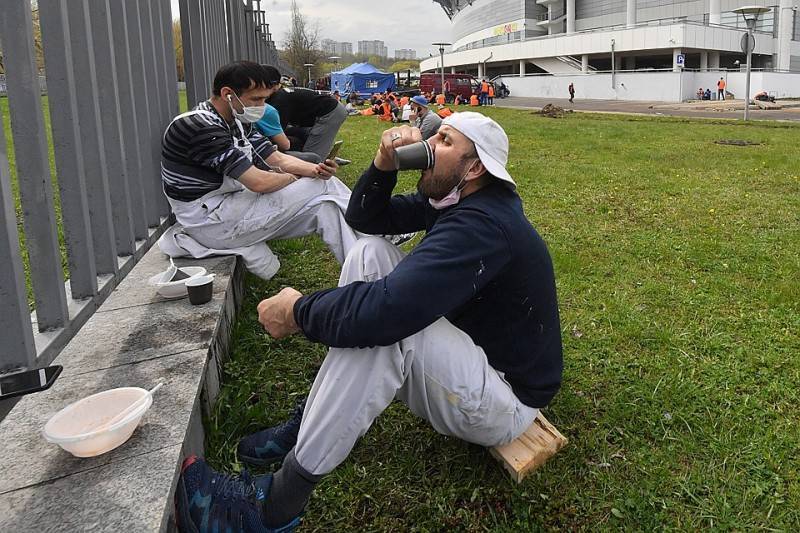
208	501
272	444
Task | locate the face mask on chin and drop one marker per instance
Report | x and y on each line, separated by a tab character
249	114
453	197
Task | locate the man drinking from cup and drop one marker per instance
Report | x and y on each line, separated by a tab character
464	329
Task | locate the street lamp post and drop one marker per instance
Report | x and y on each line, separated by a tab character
441	61
308	66
750	15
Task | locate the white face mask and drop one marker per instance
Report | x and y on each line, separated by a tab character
250	113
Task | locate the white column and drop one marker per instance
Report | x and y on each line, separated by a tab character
549	18
714	12
713	60
675	53
631	13
570	16
480	70
585	63
522	68
784	44
703	61
452	70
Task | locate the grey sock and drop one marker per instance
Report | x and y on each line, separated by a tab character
291	488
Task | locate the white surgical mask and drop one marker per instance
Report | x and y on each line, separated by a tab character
452	197
249	114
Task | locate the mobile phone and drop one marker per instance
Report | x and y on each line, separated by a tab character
335	150
28	381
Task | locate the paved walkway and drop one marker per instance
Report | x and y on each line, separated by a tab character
694	109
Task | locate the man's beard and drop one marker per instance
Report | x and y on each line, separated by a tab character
437	187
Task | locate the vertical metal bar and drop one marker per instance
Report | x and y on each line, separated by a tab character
142	88
169	58
229	25
68	148
129	117
188	53
162	64
113	139
157	104
94	159
218	40
249	30
33	169
194	53
242	30
17	349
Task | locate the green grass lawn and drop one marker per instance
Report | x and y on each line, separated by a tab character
677	262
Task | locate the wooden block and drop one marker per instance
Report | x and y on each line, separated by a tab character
530	450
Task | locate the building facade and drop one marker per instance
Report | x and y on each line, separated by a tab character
336	48
405	53
373	48
565	37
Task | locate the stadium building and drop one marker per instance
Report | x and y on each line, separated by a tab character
622	49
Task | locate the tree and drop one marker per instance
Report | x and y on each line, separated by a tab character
404	65
178	43
301	42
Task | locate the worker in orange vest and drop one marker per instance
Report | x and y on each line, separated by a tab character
484	92
491	94
721	89
474	101
440	99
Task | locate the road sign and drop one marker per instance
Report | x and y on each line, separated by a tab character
680	60
752	42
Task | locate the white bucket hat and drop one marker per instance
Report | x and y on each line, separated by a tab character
491	142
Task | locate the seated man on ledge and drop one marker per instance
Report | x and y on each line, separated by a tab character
464	330
231	190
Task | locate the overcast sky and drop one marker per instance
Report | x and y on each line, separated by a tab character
411	24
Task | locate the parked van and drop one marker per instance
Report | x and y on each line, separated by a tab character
463	84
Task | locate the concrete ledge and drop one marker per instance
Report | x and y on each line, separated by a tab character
135	339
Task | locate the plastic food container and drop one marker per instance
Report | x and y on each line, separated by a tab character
174	289
82	429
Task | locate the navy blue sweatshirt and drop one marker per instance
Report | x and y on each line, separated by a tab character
481	265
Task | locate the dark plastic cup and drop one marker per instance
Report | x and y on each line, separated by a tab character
417	156
200	289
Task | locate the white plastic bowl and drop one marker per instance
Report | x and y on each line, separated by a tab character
73	428
174	289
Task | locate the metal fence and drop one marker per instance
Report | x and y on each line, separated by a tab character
112	89
216	32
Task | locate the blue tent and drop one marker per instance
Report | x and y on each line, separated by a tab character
362	78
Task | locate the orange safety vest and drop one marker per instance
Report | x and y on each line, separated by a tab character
473	100
403	101
491	91
387	112
721	85
444	112
440	99
484	87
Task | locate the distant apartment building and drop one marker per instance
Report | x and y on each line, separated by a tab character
372	48
405	53
336	48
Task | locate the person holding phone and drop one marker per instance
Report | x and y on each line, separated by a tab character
464	330
231	189
311	118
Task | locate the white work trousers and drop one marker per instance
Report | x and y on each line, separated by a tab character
439	373
244	218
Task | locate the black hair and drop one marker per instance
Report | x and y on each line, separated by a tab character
243	75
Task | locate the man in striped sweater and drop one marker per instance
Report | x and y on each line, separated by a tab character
230	187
